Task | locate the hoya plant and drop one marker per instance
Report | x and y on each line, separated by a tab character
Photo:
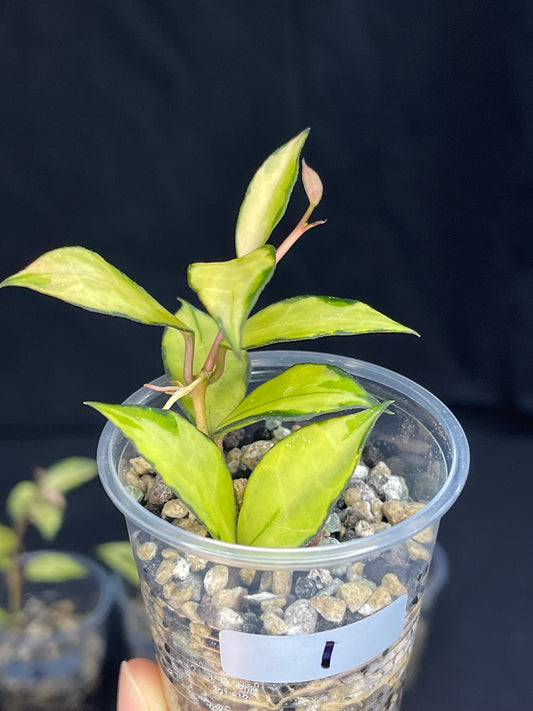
205	354
40	502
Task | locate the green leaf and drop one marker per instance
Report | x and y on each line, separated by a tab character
84	278
47	516
224	394
8	542
267	196
20	500
187	460
291	490
305	317
300	391
118	555
50	567
229	290
69	473
5	563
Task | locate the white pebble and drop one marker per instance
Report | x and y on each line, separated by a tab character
280	433
361	472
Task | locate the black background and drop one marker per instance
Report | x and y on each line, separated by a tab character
132	128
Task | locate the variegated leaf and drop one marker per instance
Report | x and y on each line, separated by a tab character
291	490
229	290
267	196
84	278
303	390
187	460
306	317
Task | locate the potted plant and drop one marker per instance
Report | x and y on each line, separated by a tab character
53	605
282	506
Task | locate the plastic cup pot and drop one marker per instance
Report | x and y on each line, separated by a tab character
437	578
135	623
51	652
322	627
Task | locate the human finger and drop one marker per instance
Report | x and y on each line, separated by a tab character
140	687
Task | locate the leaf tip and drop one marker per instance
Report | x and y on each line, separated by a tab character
383	408
299	140
16	279
408	331
98	406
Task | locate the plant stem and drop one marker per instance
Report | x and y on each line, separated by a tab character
198	402
297	232
220	365
211	359
14	586
14	574
199	392
188	357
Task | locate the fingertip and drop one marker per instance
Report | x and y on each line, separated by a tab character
140	687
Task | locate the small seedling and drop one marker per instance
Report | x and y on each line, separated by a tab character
40	502
205	353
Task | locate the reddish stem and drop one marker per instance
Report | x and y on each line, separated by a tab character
211	359
297	232
188	357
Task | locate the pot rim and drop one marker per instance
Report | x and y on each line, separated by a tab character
112	443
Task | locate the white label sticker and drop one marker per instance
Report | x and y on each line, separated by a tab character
305	657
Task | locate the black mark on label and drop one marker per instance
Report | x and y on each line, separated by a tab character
326	655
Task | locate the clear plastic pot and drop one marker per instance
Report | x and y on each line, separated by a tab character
135	623
54	662
439	572
324	627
